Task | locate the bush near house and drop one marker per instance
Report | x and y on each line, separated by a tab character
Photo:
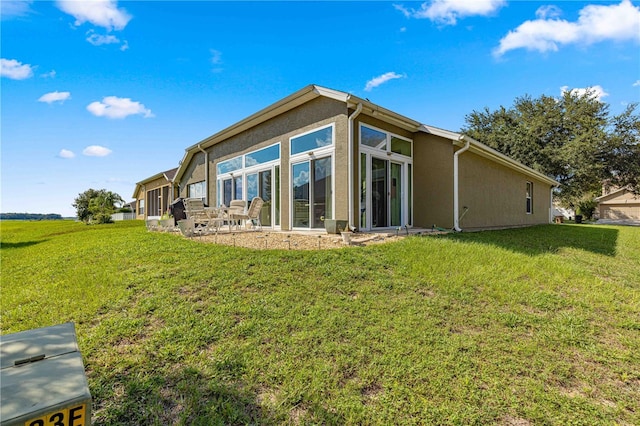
528	326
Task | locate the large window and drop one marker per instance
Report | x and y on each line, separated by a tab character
255	174
314	140
529	198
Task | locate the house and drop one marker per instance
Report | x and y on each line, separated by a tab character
618	204
325	154
154	195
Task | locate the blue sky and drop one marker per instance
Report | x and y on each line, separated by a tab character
103	94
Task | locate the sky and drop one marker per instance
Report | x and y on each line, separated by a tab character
104	93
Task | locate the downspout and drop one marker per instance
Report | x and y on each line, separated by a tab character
350	167
551	204
206	174
456	205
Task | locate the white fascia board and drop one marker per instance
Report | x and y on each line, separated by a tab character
440	132
373	110
332	94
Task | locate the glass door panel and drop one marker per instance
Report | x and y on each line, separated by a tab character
252	186
321	191
265	193
300	179
379	191
227	185
395	195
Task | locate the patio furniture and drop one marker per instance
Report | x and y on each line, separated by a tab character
203	218
235	207
253	214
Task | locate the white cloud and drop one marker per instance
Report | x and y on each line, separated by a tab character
377	81
125	46
65	153
15	70
11	8
50	74
96	151
636	84
549	11
619	22
99	39
596	92
216	59
102	13
115	107
448	12
55	97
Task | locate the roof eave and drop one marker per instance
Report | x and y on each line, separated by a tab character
487	152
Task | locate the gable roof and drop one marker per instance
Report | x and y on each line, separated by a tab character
168	175
617	193
313	91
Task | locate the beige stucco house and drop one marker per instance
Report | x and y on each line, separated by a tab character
619	204
154	195
324	154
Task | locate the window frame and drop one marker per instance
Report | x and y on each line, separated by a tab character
529	198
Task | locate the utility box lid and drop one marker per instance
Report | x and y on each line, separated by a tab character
42	377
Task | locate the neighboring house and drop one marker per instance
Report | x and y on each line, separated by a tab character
154	195
324	154
619	204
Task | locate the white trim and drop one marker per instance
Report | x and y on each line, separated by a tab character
391	157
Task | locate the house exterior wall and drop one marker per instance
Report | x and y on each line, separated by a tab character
307	117
433	181
620	206
195	173
496	195
140	195
161	200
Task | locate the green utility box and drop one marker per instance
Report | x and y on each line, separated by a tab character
42	379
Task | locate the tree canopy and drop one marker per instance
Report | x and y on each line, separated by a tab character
97	206
572	139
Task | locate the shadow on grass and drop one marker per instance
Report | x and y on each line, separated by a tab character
21	244
185	397
547	239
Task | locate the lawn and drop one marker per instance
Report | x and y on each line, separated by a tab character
520	327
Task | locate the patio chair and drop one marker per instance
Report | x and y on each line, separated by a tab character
203	218
235	207
253	214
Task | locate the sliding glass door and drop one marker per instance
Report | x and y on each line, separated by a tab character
312	193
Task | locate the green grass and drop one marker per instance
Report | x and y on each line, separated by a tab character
528	326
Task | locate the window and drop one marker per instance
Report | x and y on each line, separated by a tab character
384	141
373	138
254	174
529	197
229	165
141	207
196	190
270	153
314	140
